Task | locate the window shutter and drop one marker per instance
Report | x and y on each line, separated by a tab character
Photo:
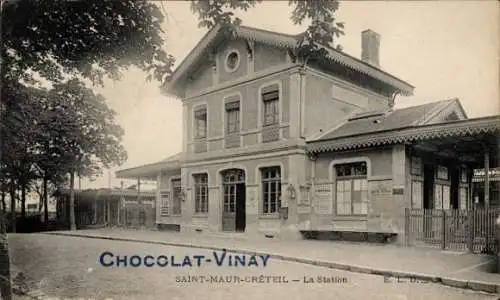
200	112
233	105
270	96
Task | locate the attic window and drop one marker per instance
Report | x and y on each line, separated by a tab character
232	61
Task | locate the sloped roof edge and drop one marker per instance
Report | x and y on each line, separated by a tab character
286	41
151	170
408	134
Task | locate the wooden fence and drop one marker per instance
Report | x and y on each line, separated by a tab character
456	230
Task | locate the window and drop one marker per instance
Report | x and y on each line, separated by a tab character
232	61
271	108
416	194
441	196
200	118
230	198
352	189
442	173
271	190
201	193
165	203
416	166
463	175
233	117
176	196
463	198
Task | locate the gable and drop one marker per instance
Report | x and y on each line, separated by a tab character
231	60
452	110
206	48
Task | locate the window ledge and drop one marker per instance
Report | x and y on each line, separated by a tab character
200	215
350	218
269	216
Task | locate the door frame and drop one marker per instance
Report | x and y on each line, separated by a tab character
237	182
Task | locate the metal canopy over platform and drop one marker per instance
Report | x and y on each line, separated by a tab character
151	171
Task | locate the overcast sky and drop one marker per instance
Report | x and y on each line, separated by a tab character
445	49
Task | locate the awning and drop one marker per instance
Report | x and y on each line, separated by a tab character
150	171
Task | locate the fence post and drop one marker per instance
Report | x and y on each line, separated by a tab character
407	226
443	225
470	233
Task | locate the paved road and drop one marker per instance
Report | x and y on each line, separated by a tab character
69	267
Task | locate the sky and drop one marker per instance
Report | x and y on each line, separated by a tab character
446	49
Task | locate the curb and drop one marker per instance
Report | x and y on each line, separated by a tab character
478	286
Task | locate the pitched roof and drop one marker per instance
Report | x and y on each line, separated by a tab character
375	121
409	134
286	41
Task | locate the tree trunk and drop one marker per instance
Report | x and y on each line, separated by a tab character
45	201
5	283
13	206
23	201
4	205
72	219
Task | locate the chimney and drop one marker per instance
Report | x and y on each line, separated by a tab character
370	46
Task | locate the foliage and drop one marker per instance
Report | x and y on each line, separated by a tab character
89	38
220	12
85	130
322	31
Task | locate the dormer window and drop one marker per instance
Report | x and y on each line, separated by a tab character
232	61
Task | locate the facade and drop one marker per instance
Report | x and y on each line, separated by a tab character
273	144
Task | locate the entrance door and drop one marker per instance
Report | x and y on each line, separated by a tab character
428	201
233	213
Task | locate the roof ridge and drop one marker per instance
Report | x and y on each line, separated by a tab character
272	32
370	113
423	104
285	40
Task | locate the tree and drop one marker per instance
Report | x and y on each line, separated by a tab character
85	135
49	159
18	127
87	38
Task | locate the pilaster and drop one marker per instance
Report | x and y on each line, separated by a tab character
399	190
187	204
185	127
294	104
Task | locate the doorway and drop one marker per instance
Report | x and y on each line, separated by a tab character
234	200
428	201
455	188
428	187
